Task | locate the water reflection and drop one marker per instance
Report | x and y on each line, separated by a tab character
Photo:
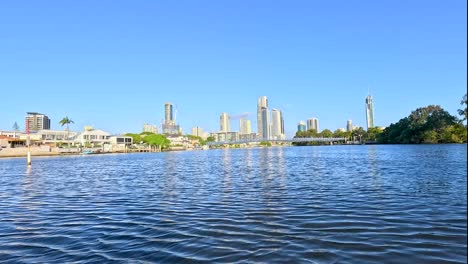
373	166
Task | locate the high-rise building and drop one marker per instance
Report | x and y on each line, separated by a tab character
36	121
310	124
197	131
150	128
277	124
169	126
224	122
369	112
349	125
168	114
313	123
301	127
263	118
245	126
266	124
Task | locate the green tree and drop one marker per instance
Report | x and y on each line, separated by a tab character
430	124
341	134
146	133
137	138
358	134
157	140
326	133
67	121
265	144
463	112
373	133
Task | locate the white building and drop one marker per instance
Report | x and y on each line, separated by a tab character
224	122
92	136
245	126
150	128
263	118
277	124
225	136
11	134
313	123
55	136
197	131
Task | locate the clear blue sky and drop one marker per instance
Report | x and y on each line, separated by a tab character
113	64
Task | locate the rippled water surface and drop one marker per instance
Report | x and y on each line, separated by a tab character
333	204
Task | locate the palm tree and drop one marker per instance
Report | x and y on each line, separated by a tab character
67	121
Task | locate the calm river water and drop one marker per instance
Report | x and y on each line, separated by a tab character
330	204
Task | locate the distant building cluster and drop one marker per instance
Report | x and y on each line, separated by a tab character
313	123
270	126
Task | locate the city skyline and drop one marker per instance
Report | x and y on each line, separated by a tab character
116	71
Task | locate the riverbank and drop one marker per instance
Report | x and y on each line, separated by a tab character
45	151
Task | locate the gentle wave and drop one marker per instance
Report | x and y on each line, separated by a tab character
341	204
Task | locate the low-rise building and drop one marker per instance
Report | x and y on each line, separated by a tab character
11	134
225	136
52	137
121	140
91	136
251	136
10	142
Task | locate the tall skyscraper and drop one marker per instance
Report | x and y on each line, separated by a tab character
277	124
245	126
197	131
224	122
310	124
301	127
369	112
313	123
37	121
168	114
263	118
169	126
349	125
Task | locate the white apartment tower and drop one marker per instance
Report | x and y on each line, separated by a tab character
245	126
263	118
277	124
313	123
224	122
197	131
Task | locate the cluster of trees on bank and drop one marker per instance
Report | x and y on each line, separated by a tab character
161	141
430	124
200	139
152	139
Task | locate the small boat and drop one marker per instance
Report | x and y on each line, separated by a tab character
87	151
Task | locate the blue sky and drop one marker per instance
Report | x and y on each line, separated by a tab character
113	64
